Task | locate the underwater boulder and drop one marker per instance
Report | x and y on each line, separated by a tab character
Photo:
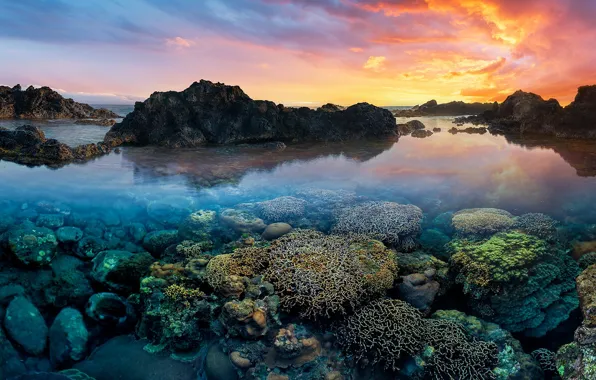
8	292
241	221
12	364
197	226
110	309
137	232
52	221
419	289
218	365
90	246
276	230
104	263
124	357
68	337
44	376
170	211
35	246
25	325
156	242
69	235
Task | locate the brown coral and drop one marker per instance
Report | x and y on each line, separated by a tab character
239	361
247	318
321	275
159	270
290	350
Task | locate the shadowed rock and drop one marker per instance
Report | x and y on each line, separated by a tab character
45	103
432	108
213	113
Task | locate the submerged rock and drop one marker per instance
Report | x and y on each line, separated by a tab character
123	357
69	235
241	221
276	230
68	337
156	242
35	246
213	113
106	262
218	365
109	309
26	326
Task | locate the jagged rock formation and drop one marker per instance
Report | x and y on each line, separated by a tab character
28	145
213	113
432	108
529	114
45	103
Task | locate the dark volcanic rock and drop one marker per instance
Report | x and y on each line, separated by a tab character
528	114
432	108
28	145
25	325
44	103
410	126
213	113
101	122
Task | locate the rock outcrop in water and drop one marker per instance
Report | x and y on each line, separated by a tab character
432	108
214	113
529	114
28	145
45	103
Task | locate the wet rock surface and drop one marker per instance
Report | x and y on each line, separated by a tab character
432	108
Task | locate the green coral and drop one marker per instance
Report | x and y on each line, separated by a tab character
517	280
481	222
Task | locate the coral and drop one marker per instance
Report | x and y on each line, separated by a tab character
247	318
435	243
546	359
180	293
241	221
389	222
321	275
383	331
282	209
419	262
191	249
513	362
517	281
481	222
159	270
198	225
222	269
537	224
586	288
453	354
587	260
292	347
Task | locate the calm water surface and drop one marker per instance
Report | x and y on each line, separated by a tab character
439	173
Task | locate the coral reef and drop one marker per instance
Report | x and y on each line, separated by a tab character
517	280
392	223
481	222
537	224
282	209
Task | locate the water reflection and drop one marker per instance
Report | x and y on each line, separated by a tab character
442	172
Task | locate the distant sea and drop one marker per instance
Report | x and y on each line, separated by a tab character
124	109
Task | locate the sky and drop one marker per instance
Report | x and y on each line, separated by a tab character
302	52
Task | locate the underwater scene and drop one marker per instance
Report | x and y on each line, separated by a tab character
447	257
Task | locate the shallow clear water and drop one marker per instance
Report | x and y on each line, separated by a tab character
442	172
66	131
129	200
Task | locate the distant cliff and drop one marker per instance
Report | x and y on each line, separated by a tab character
45	103
432	108
214	113
526	113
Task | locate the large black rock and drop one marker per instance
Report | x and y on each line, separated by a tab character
213	113
432	108
45	103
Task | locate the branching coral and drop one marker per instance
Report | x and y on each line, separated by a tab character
390	222
223	269
159	270
383	331
455	355
321	275
180	293
517	281
481	222
282	209
537	224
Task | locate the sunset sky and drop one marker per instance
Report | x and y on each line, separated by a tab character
394	52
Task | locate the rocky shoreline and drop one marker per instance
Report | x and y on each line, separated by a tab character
28	145
432	108
524	113
45	103
214	113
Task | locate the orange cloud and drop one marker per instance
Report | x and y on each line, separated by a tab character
375	63
179	42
